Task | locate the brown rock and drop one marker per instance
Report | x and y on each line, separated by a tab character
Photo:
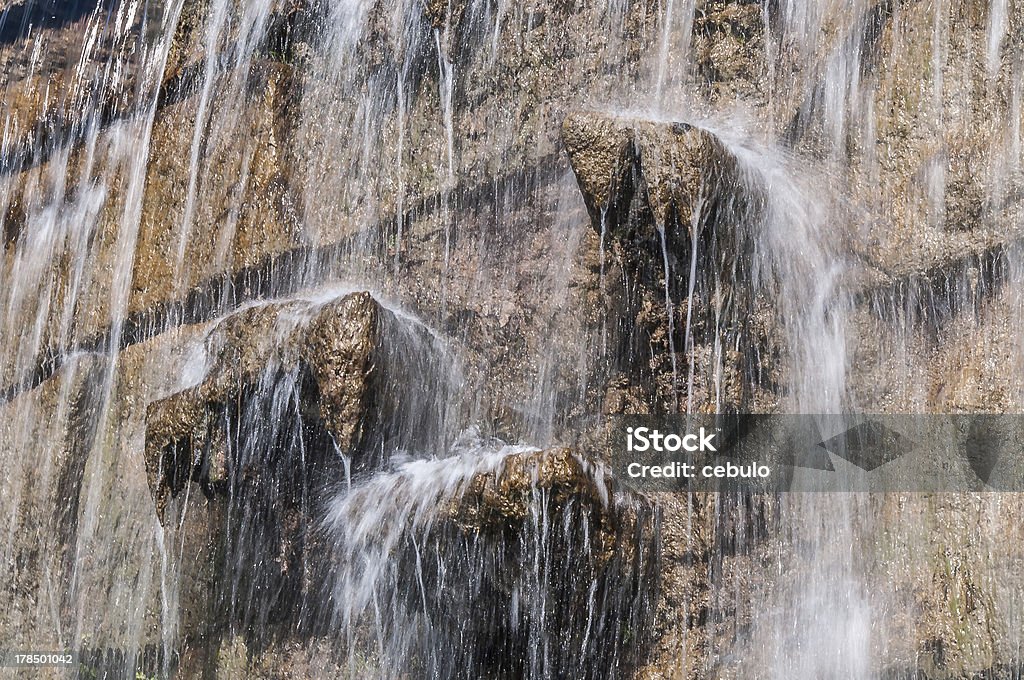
668	167
601	542
183	434
339	347
503	497
662	194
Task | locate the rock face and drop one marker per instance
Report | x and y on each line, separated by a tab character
285	396
48	460
600	565
158	171
676	172
680	215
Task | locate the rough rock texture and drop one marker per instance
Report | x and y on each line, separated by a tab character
674	169
339	347
246	456
46	462
184	439
504	498
600	541
666	197
432	164
934	261
243	190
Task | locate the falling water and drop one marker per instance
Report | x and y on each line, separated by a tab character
197	478
417	578
688	328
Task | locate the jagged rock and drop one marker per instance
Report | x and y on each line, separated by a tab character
339	347
598	148
503	497
668	199
184	432
672	169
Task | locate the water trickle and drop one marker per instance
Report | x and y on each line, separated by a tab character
688	344
446	92
998	17
416	577
670	316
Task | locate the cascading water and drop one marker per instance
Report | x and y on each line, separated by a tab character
299	301
420	580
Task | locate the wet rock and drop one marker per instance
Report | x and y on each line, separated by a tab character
729	50
660	190
543	545
291	26
339	347
503	497
187	45
252	200
331	354
675	171
678	214
13	222
444	13
600	150
45	464
240	462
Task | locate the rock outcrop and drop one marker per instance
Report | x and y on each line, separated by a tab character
247	455
598	574
333	348
675	173
513	552
679	214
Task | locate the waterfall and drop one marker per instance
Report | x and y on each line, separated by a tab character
317	319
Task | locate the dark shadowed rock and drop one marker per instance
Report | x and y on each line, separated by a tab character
543	546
